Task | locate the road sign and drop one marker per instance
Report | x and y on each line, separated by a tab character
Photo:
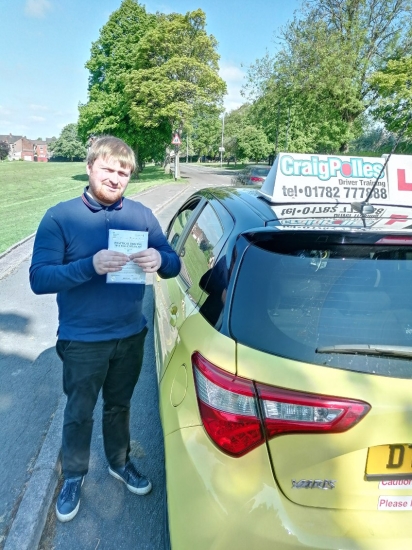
176	140
221	149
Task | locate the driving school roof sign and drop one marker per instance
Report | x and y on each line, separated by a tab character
332	179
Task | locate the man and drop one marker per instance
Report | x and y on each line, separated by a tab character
101	326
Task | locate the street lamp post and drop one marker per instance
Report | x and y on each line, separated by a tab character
221	148
176	142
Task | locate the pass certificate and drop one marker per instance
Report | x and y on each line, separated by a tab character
127	242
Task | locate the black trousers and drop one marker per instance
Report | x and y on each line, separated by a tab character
112	366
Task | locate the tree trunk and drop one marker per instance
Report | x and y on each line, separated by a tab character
138	167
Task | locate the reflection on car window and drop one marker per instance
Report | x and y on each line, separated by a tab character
214	282
198	252
300	300
178	225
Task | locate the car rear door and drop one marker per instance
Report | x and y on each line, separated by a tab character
197	233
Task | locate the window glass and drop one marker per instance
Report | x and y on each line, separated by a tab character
343	306
198	253
178	225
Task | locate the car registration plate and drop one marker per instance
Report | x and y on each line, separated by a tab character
386	462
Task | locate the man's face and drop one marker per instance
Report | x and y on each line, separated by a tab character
107	180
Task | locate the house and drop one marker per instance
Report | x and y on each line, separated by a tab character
22	148
40	151
11	140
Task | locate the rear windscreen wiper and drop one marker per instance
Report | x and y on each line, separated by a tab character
364	349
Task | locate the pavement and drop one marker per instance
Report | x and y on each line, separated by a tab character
29	520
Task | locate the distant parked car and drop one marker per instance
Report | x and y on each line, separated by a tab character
252	175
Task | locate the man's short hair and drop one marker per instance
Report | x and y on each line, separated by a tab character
111	147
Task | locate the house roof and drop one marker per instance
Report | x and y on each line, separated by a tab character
9	138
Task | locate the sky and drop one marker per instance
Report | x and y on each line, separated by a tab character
46	43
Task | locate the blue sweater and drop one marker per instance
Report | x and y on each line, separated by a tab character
67	239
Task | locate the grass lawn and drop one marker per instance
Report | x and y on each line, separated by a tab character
30	188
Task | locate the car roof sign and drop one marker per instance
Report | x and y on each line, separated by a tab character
311	178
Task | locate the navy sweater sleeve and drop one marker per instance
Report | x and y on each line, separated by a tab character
48	273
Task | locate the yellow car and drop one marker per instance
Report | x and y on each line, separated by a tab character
284	363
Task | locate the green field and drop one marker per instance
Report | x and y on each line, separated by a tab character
29	189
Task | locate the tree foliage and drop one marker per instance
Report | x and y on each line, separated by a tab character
177	74
4	150
393	87
206	134
112	57
68	145
149	74
311	93
244	137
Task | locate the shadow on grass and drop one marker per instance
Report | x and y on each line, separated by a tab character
80	177
151	173
148	175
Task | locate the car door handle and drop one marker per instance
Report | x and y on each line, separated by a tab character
174	314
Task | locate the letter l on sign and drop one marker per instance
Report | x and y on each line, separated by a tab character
403	185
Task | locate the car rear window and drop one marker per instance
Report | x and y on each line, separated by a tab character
263	172
297	299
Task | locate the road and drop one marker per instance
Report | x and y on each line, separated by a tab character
30	390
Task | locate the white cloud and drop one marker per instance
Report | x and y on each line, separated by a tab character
235	79
37	118
34	107
37	8
4	110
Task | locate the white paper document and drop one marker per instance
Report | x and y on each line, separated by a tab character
127	242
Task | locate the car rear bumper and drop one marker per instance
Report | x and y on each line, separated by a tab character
221	503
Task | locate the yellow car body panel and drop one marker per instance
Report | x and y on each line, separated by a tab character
339	457
195	335
221	503
217	502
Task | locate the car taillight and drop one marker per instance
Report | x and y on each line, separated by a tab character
287	411
254	178
238	414
228	408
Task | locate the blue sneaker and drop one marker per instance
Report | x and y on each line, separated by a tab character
68	502
134	480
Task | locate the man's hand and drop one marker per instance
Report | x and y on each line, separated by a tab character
149	260
109	261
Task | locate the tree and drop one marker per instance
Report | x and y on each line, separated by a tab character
317	85
206	132
68	145
112	57
177	74
244	136
148	76
4	150
253	144
393	88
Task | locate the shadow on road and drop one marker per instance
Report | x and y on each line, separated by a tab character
29	394
12	322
